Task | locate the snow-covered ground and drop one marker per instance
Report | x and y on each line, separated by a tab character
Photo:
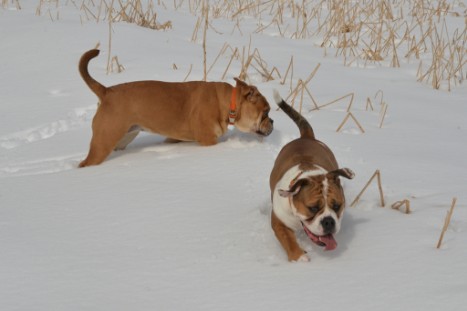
182	227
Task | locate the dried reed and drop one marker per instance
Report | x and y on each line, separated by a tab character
377	174
301	87
351	95
368	104
206	25
109	64
384	108
347	117
397	205
447	220
387	32
188	74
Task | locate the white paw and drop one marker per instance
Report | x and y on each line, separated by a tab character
303	258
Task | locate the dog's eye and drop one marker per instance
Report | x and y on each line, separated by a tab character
336	207
314	209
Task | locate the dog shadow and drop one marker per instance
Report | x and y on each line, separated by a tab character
147	142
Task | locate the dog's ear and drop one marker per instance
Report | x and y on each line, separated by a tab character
344	172
288	193
294	189
240	83
246	90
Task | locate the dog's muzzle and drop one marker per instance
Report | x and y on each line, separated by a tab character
326	240
265	127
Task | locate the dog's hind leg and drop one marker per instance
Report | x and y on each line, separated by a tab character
127	138
105	136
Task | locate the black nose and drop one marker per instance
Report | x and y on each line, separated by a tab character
272	121
328	224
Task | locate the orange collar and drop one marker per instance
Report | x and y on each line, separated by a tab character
233	107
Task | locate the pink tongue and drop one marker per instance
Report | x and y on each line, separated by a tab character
325	240
329	242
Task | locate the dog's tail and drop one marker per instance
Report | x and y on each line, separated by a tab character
95	86
306	131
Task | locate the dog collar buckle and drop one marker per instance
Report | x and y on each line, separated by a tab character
233	107
232	116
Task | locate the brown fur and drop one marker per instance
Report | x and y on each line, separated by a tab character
181	111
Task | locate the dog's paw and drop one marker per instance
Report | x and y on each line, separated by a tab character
302	258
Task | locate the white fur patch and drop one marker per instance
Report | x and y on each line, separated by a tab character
283	207
303	258
277	96
315	226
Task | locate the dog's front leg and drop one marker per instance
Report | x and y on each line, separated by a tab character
288	240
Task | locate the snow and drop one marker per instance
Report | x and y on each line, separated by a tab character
182	227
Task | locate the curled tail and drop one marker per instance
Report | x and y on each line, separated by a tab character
95	86
306	131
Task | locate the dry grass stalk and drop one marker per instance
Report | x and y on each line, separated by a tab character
115	66
88	12
51	17
263	68
351	95
347	117
235	54
379	92
237	26
16	2
377	174
375	55
194	36
206	25
253	60
397	205
302	83
221	52
289	69
448	57
270	76
384	108
131	11
109	64
188	74
360	31
369	104
301	87
447	220
245	62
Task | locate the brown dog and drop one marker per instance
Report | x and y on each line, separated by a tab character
305	190
189	111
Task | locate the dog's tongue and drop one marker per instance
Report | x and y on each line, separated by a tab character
327	240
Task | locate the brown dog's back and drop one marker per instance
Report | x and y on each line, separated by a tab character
306	150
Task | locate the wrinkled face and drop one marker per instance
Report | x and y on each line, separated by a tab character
253	111
318	201
320	204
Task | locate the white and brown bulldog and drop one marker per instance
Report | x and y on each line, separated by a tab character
305	190
186	111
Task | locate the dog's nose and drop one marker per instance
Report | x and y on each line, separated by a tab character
272	121
328	224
